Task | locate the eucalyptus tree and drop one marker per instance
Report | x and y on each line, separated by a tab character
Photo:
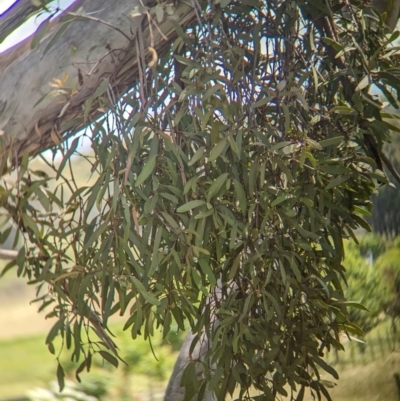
225	178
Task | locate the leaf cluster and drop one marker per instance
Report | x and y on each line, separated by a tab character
225	183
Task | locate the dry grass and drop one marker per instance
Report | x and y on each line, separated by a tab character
17	316
372	382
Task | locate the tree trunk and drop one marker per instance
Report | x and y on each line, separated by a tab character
174	390
88	53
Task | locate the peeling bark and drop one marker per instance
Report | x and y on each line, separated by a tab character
88	53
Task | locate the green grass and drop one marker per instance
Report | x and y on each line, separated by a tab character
25	363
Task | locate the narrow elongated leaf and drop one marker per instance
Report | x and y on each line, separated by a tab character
241	195
345	110
170	220
60	377
217	150
109	358
280	199
337	181
211	91
331	141
197	156
216	186
280	145
190	205
146	295
147	170
353	304
326	367
262	102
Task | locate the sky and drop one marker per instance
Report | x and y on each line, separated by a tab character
28	27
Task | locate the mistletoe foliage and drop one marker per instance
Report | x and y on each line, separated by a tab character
225	183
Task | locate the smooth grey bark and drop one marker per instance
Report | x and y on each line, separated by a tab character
88	52
174	391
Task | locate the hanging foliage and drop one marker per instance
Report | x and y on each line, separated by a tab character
225	182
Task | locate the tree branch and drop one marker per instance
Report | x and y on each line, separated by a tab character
8	254
16	15
87	53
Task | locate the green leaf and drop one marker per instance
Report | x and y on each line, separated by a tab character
211	91
30	223
280	145
159	13
337	181
146	295
60	377
170	220
307	202
203	215
102	88
300	395
43	199
362	222
216	186
336	140
233	146
281	199
190	205
364	83
54	331
197	156
170	197
262	102
337	46
95	235
286	117
313	144
353	304
326	367
344	110
306	233
241	196
207	269
50	347
109	358
353	329
217	150
147	170
67	157
212	384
